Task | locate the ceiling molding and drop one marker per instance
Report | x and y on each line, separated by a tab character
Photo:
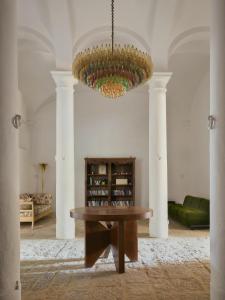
26	33
193	34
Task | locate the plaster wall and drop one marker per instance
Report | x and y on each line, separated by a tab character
103	128
199	143
43	148
24	148
188	141
112	128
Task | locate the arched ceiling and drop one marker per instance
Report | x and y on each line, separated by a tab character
189	64
51	30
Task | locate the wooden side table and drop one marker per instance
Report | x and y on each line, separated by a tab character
119	234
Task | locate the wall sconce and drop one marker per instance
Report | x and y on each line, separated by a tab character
16	121
211	122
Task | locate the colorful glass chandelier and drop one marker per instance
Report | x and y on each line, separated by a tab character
112	69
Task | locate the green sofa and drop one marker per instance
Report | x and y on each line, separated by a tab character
194	212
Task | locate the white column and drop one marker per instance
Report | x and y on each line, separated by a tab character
158	189
65	169
9	180
217	150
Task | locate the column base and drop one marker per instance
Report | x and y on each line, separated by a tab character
10	295
65	233
216	294
217	288
157	231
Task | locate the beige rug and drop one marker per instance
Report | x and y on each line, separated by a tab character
67	279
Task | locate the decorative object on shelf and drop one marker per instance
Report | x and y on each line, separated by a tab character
102	169
43	167
112	69
121	181
93	169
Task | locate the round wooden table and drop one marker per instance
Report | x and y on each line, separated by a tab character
119	234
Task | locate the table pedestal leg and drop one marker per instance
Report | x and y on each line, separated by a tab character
117	242
122	237
97	238
131	242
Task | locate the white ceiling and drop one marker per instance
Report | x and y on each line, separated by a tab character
52	31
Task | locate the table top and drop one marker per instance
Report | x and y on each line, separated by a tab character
109	213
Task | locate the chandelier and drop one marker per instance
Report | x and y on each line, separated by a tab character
112	69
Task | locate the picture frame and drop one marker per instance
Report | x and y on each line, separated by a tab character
102	169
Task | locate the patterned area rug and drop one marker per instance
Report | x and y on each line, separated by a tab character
175	268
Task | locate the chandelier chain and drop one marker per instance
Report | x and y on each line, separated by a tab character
112	7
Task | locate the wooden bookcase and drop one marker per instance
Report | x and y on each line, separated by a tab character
110	181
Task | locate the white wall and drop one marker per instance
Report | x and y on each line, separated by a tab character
24	148
112	128
103	128
43	148
187	112
199	143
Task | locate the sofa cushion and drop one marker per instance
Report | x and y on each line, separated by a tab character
196	202
204	205
37	198
39	209
41	198
193	216
190	201
25	198
24	205
173	208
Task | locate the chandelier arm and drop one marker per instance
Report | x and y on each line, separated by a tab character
112	7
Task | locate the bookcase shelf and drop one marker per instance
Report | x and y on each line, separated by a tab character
98	186
98	175
122	185
110	181
123	196
130	174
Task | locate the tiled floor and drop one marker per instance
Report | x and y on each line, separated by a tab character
45	229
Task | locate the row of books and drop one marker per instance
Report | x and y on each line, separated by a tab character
122	193
122	203
97	203
98	193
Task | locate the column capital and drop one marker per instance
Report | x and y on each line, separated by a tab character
159	80
64	78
